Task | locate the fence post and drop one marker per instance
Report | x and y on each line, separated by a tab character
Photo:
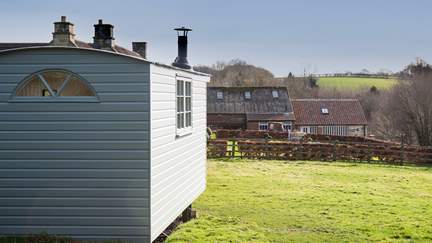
369	154
335	154
266	148
233	142
402	158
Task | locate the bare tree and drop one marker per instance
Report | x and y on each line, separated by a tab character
408	109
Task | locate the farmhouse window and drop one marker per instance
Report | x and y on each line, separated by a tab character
54	85
184	107
324	111
287	126
263	126
219	95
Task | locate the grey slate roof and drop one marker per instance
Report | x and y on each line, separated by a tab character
261	102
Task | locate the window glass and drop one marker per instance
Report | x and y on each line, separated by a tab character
54	83
287	126
263	126
33	87
74	87
219	95
275	94
184	104
247	95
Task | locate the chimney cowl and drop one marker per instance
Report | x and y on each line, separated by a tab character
181	60
64	33
140	48
103	36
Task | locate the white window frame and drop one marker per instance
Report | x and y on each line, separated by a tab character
54	95
261	125
305	129
247	95
183	125
219	95
287	126
324	111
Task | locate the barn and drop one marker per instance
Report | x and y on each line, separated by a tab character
96	141
251	108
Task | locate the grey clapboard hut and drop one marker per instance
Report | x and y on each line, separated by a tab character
97	143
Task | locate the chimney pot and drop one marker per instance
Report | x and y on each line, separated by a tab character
140	48
104	36
64	34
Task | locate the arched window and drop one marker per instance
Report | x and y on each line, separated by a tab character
54	85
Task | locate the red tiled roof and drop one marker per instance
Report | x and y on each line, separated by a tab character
340	112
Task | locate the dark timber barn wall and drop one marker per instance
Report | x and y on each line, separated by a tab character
79	169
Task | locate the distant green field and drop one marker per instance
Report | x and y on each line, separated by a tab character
351	83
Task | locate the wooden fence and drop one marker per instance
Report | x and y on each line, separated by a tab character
284	150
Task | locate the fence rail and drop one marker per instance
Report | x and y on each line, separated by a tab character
284	150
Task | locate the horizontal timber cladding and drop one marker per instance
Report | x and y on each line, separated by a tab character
76	168
178	164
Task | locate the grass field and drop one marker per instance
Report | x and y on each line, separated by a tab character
351	83
276	201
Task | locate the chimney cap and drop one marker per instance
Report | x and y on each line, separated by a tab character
182	29
63	20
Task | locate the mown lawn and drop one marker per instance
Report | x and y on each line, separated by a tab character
351	83
276	201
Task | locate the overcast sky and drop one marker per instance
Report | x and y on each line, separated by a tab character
282	36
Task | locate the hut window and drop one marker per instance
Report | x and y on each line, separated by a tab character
247	95
54	85
263	126
184	106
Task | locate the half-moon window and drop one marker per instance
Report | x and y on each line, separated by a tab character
53	84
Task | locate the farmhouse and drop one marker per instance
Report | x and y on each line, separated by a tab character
96	141
252	108
342	117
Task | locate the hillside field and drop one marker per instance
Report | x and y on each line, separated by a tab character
277	201
351	83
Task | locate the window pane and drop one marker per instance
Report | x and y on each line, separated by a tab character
178	120
182	120
188	119
188	88
219	95
33	87
180	87
76	87
179	104
55	79
188	103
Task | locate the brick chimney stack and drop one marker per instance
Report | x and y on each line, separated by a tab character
64	33
140	48
104	36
